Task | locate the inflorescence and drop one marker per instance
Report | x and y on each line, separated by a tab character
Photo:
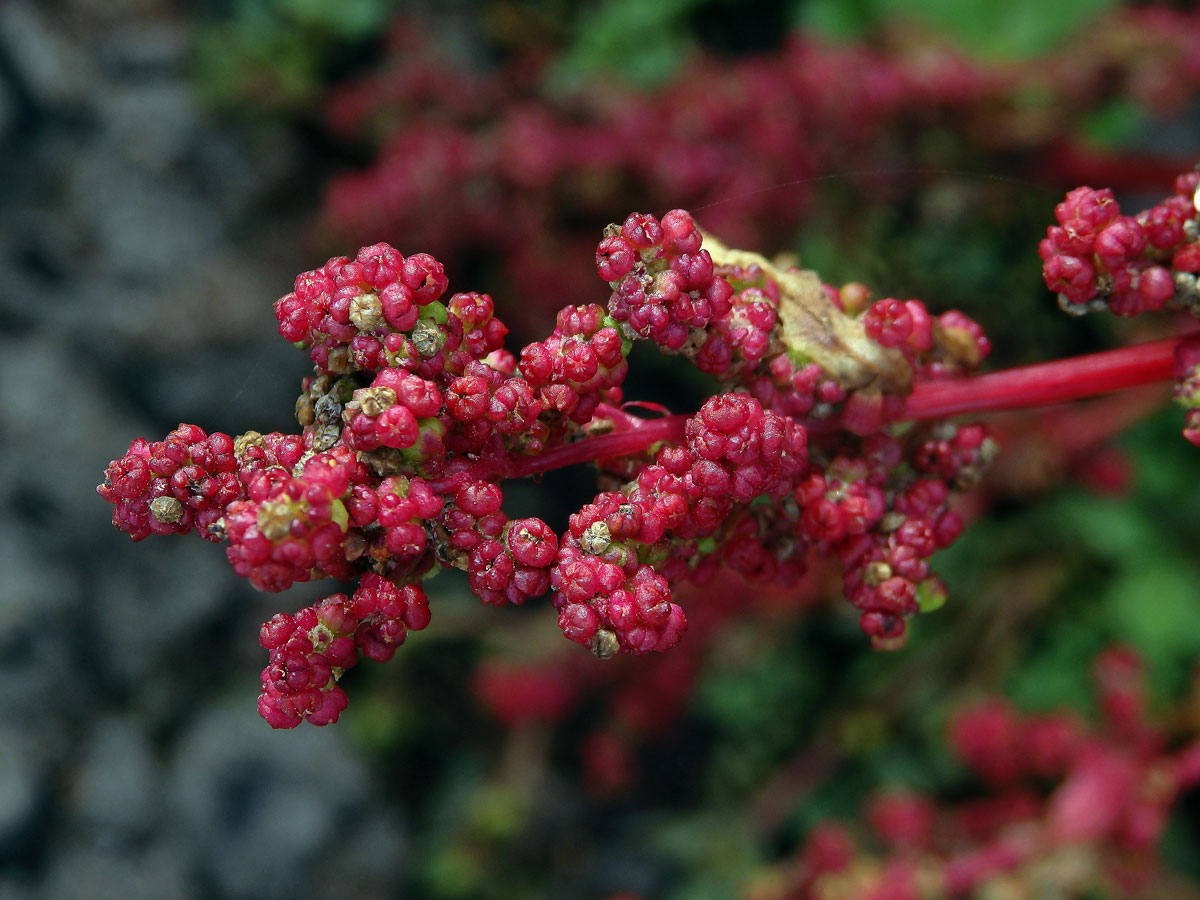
416	413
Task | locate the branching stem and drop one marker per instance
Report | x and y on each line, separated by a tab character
1018	388
1045	383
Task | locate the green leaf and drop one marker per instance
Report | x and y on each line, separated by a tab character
1112	529
1154	603
348	19
1057	674
642	43
1015	29
1115	123
839	19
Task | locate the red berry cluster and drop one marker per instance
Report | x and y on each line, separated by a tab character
1187	387
415	413
310	650
613	571
468	160
506	561
877	504
581	362
1096	258
1062	807
173	486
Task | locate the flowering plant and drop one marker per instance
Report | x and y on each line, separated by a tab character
828	433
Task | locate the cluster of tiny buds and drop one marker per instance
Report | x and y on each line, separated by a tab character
506	561
173	486
1063	807
908	326
667	289
310	650
1096	258
884	511
1187	387
415	413
614	567
508	152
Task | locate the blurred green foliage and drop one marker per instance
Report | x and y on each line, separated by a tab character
641	43
274	54
1012	30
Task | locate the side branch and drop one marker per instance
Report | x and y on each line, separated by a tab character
620	443
1023	387
1046	383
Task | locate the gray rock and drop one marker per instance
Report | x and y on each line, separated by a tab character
117	789
146	609
33	592
47	64
59	425
142	49
83	871
23	782
370	860
264	811
15	887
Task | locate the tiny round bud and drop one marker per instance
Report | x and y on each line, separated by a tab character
596	538
427	338
166	510
604	644
366	312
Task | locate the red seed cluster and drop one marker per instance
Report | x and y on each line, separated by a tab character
1050	787
509	152
415	414
506	561
573	368
614	568
883	526
288	527
344	311
1096	258
663	284
1187	387
310	650
173	486
934	346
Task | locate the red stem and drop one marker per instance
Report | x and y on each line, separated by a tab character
620	443
1045	383
1019	388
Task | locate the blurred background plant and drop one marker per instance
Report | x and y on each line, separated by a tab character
180	161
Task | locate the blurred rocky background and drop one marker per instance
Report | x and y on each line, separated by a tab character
142	239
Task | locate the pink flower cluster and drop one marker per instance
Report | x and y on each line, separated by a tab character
1187	387
416	413
506	561
611	577
468	161
311	649
1096	258
173	486
1058	807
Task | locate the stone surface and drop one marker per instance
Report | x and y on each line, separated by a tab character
140	257
262	811
118	784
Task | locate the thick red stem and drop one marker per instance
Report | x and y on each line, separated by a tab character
1045	383
618	443
1019	388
